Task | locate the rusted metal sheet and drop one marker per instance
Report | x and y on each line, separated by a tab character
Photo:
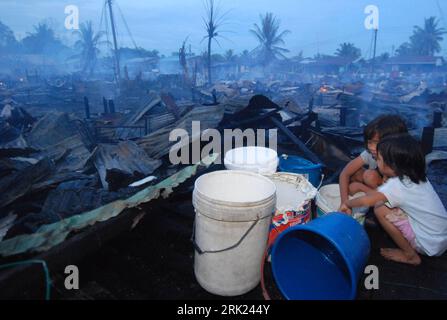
157	144
49	236
126	157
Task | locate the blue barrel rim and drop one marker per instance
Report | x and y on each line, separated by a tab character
308	164
312	167
308	227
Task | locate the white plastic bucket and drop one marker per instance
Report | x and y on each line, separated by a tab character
233	214
253	159
328	200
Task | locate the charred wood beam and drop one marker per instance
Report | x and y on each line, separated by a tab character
146	126
349	117
111	106
87	108
437	119
310	117
296	118
306	122
343	112
428	135
311	104
307	152
106	107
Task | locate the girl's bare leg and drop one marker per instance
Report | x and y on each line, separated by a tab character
358	176
405	253
364	181
372	179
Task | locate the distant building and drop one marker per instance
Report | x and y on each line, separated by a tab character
226	70
326	64
414	64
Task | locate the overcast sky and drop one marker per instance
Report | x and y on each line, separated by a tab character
315	25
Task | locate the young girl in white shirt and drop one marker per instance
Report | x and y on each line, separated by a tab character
407	206
355	177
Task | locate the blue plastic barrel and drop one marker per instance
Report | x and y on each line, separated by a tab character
322	260
295	164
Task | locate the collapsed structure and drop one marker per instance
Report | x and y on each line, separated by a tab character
69	157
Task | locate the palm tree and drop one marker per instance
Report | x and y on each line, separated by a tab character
88	45
230	56
426	41
384	57
213	22
245	54
405	50
269	38
245	58
183	60
7	39
348	50
42	39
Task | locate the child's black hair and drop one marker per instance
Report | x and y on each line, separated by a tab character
384	126
404	155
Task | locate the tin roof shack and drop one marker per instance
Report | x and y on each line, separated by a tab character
414	64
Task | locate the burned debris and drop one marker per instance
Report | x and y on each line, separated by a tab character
120	165
59	164
92	145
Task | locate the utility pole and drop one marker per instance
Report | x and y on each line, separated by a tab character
112	21
375	47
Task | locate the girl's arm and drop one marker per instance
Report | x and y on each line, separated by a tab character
356	187
345	176
370	200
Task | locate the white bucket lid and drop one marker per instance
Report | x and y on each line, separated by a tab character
234	196
328	199
251	156
235	188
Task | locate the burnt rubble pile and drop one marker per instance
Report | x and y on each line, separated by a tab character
53	170
66	149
